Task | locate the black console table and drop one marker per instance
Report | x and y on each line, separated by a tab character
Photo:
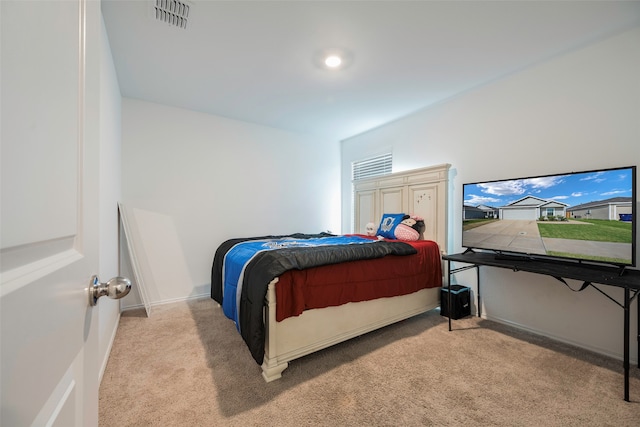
628	279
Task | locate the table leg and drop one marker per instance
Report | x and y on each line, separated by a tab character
626	344
449	293
478	287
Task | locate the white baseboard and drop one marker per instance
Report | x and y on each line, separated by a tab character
598	350
167	301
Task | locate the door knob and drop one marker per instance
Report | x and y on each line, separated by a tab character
115	288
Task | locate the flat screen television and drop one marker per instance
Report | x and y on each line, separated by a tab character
579	216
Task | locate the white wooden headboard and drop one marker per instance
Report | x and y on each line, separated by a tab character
422	192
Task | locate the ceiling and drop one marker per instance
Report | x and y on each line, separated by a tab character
255	61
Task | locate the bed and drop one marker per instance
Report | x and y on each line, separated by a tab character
290	312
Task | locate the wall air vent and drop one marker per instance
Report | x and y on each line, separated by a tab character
172	12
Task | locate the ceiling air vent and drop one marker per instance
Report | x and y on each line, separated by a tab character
172	12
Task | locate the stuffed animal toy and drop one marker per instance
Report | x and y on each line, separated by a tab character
419	226
411	228
370	229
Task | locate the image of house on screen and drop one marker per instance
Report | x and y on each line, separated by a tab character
613	209
533	208
479	212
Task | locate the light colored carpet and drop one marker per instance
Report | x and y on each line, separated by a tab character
187	366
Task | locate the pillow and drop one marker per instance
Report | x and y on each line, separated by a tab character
406	232
419	227
388	224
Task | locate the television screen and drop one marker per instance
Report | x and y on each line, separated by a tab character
586	216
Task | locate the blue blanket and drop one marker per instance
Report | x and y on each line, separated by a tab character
271	257
237	258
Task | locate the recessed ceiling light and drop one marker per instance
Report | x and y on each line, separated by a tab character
333	59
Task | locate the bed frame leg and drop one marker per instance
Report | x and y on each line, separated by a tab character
271	369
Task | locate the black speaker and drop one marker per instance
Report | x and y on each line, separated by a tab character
460	301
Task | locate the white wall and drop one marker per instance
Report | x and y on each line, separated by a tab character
579	111
198	180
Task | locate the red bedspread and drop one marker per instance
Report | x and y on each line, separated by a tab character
331	285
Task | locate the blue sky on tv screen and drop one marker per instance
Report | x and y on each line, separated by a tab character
571	189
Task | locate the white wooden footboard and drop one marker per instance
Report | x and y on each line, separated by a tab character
316	329
423	192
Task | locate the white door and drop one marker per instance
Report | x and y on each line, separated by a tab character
49	215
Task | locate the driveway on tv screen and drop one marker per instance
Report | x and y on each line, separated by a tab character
523	236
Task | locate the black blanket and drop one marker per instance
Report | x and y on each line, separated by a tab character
268	265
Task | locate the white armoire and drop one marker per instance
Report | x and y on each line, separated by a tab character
421	192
